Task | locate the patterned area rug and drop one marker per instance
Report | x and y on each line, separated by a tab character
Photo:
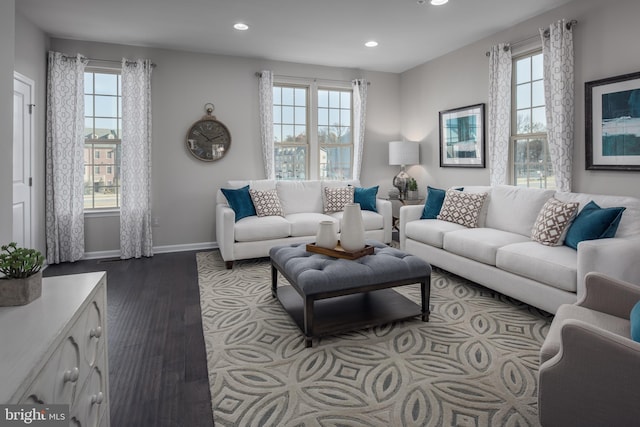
473	364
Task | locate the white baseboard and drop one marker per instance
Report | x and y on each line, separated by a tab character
156	250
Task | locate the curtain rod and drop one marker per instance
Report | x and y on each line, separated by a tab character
259	74
508	46
105	60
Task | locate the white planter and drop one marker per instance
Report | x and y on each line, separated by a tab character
327	237
352	228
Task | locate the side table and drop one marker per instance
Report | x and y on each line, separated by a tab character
396	204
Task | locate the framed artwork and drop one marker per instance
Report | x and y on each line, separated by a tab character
462	137
612	122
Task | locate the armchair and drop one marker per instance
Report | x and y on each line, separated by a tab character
589	372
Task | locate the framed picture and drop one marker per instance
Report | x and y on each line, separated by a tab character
462	137
612	121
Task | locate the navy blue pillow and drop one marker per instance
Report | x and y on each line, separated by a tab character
240	201
366	197
593	222
634	319
433	204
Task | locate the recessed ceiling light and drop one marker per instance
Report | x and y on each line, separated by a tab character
439	2
421	1
240	26
371	43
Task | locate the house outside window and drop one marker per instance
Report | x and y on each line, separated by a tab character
313	136
531	161
103	125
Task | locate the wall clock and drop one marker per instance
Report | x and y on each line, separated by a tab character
208	139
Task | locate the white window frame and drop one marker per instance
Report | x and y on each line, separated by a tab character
312	86
114	210
525	51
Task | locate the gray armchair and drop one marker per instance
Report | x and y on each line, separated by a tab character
589	371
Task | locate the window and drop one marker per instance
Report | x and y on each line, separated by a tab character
312	131
531	161
103	124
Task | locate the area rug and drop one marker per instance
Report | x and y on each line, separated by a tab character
473	364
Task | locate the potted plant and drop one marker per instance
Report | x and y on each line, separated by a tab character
413	189
22	270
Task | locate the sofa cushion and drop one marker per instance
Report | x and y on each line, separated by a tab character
256	228
552	222
462	208
515	209
594	222
300	196
433	204
430	231
306	224
258	184
366	198
240	201
480	244
371	220
336	198
555	266
266	202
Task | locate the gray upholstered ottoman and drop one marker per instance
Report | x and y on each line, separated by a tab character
330	295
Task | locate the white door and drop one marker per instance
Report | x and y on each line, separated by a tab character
22	144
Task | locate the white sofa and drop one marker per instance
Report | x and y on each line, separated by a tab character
303	206
500	254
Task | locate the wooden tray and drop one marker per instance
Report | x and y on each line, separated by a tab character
339	252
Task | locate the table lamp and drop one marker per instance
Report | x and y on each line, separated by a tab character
403	153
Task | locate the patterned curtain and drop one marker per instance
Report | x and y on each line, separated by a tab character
360	87
64	152
557	51
499	117
266	122
135	170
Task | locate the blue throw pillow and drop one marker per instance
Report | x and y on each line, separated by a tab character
366	197
433	204
634	318
240	201
593	222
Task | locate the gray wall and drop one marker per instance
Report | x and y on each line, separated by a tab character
7	49
184	188
605	43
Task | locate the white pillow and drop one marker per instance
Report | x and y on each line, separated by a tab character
336	198
462	208
266	202
553	221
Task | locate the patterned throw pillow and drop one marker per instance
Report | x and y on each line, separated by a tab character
336	197
552	222
462	208
266	202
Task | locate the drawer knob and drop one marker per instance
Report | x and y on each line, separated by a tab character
97	398
71	375
96	333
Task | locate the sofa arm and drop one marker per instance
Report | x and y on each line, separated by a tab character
617	258
407	214
608	295
225	230
592	381
384	208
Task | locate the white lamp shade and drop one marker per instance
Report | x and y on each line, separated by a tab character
404	153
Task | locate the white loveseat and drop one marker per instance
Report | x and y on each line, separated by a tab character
501	255
303	206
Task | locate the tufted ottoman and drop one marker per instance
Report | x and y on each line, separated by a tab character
331	295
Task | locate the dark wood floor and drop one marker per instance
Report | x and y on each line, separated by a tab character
157	359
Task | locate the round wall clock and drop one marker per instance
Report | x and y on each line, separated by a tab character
208	139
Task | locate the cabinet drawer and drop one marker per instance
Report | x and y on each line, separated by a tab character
92	400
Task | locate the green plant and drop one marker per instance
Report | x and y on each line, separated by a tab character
413	185
19	263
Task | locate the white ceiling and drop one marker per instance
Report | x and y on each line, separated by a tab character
325	32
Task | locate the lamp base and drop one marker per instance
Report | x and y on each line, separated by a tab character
401	182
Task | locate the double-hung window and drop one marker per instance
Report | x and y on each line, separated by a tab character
531	161
312	131
102	132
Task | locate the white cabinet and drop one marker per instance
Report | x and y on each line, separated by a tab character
54	350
